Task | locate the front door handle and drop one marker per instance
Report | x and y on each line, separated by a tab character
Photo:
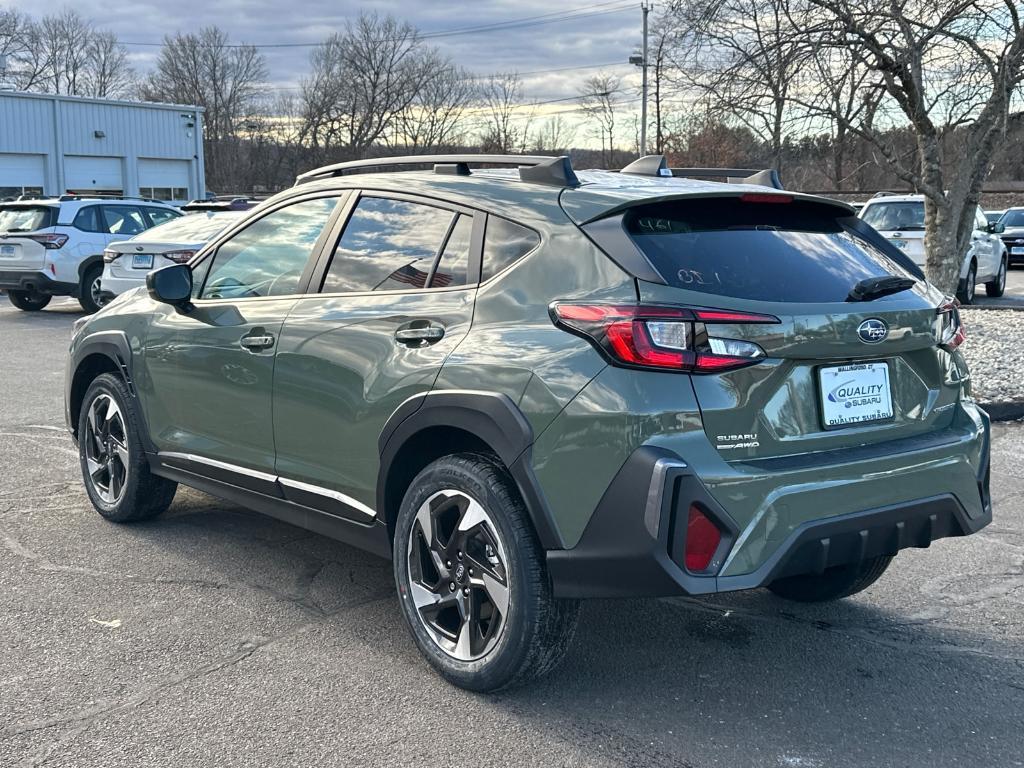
420	335
256	342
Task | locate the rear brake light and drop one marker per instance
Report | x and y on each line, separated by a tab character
662	337
950	332
178	257
760	197
49	242
702	540
110	256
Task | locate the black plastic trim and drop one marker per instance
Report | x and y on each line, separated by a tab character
372	537
493	418
619	555
609	234
35	280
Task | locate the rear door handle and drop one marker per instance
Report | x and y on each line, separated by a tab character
256	342
419	335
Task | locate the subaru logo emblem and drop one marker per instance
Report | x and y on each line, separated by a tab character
872	331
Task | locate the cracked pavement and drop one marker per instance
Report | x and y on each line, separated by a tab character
214	636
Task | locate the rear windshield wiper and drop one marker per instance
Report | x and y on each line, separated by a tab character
877	287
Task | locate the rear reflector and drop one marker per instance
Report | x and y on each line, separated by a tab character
702	540
662	337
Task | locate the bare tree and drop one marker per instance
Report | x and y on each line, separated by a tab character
950	70
597	101
24	68
204	69
107	72
745	55
554	135
668	36
361	81
434	118
501	103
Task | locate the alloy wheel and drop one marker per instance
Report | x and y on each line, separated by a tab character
458	575
106	449
96	292
1002	276
971	287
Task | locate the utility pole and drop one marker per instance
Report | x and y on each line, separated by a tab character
641	61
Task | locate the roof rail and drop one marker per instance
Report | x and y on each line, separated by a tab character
536	169
655	165
66	198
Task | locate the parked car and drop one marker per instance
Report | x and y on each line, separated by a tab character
126	262
994	216
54	246
1013	234
536	386
901	219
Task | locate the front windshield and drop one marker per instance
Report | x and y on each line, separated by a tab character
894	216
195	227
1013	218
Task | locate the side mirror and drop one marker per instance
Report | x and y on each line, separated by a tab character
996	227
171	285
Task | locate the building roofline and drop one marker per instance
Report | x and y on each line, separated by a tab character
91	100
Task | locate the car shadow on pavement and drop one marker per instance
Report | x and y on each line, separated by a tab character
667	678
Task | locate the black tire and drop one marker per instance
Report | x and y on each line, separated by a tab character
835	583
87	295
142	495
997	287
537	629
966	296
28	301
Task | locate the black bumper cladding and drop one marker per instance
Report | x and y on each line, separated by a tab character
626	553
36	282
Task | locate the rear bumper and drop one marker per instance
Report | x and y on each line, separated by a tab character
115	286
633	545
36	281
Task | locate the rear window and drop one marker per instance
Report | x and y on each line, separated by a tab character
26	218
892	216
793	252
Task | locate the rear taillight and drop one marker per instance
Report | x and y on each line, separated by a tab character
949	326
49	242
702	540
662	337
110	256
178	257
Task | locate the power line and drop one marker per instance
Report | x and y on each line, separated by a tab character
529	21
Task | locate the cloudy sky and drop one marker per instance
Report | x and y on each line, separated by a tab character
535	36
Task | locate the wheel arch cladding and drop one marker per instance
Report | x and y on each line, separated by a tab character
106	352
435	424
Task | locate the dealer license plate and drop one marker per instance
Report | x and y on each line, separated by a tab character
1017	250
142	261
855	394
6	250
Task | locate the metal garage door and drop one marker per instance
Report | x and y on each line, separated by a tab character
21	174
164	179
93	175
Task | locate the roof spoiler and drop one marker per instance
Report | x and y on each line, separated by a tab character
555	171
655	165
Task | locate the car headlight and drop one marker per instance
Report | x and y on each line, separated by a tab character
78	325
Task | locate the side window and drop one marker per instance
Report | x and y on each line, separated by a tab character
160	215
86	219
453	266
267	258
122	220
980	220
388	245
504	244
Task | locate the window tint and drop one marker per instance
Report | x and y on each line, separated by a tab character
796	252
893	216
161	215
388	245
453	267
24	218
122	220
268	257
87	219
504	244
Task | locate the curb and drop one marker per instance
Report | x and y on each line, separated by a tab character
1006	411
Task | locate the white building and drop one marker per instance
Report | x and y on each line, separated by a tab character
55	145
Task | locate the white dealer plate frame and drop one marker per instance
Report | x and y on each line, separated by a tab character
856	393
142	261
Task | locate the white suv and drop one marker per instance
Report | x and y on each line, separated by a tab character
901	219
54	246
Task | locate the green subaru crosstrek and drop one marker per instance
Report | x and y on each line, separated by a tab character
531	386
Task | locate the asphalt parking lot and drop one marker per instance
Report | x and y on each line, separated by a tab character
213	636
